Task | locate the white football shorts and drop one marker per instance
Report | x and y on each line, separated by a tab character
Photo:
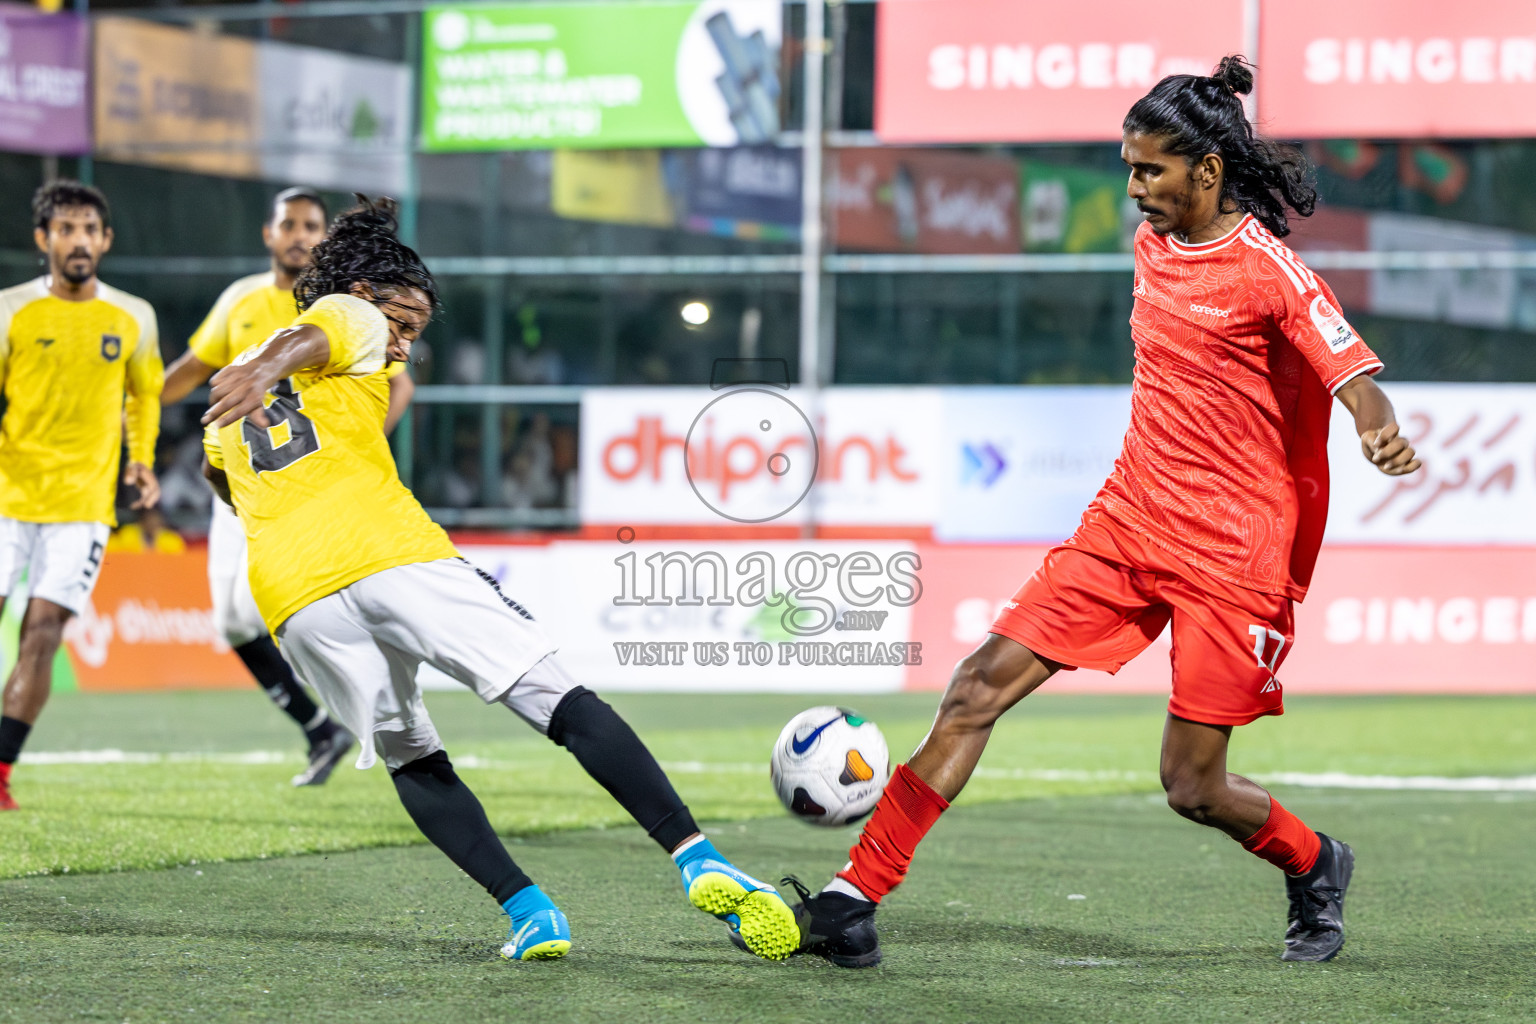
62	560
235	615
360	648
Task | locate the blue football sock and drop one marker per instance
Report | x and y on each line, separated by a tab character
699	849
525	903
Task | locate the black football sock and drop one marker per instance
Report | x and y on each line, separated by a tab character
605	745
275	676
451	816
13	733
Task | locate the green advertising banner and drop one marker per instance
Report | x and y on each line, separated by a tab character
1074	209
601	75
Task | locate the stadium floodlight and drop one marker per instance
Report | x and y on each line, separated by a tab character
695	314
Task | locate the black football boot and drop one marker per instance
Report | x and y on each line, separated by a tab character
1315	929
833	926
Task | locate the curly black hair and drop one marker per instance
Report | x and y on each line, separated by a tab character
362	247
1199	114
63	193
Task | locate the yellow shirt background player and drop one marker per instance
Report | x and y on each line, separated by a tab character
246	314
66	367
77	357
317	489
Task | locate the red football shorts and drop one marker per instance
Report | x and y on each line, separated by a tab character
1103	596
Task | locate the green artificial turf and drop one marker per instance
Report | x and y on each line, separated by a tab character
184	899
214	806
1178	925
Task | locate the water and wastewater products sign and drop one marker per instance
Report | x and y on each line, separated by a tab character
601	75
43	98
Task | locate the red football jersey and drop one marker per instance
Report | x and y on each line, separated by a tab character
1239	349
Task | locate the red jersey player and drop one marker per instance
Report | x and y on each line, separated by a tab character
1210	522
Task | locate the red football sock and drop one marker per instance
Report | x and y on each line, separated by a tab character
1285	841
905	813
5	774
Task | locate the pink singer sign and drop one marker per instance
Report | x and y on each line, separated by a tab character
44	105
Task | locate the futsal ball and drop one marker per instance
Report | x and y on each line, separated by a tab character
830	766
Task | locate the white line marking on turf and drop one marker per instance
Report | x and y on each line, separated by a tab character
1467	784
111	756
1310	780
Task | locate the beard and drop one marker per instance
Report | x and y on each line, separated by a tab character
71	269
291	261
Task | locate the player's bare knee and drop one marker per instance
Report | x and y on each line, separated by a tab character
42	635
1190	795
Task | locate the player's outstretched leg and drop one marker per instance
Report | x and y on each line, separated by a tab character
452	818
838	922
328	742
605	745
1317	867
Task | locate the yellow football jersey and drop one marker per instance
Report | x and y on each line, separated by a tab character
318	492
65	368
246	314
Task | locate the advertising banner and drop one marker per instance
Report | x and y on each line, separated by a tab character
1076	209
621	186
1377	620
853	616
1393	68
751	192
176	98
1003	71
892	200
1478	484
1021	464
604	75
333	120
43	99
1484	298
149	626
744	456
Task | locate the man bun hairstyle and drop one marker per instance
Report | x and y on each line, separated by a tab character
1198	114
362	246
64	193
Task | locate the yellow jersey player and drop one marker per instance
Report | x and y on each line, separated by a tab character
71	348
360	587
246	314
